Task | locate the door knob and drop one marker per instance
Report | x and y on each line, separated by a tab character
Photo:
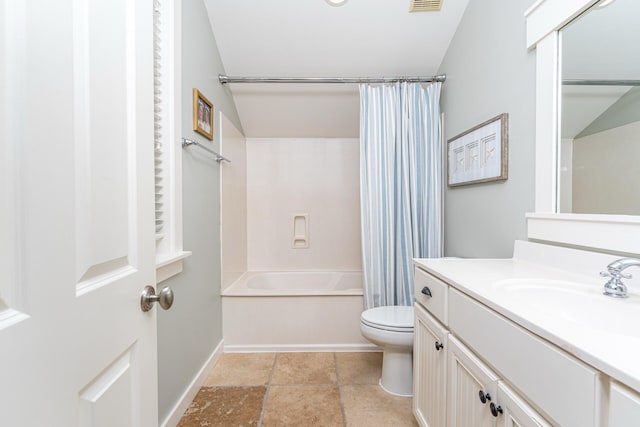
148	297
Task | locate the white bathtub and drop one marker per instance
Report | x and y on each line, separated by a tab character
295	283
294	311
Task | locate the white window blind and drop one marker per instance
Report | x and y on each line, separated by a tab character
167	84
157	107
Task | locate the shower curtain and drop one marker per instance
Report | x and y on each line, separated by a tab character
400	186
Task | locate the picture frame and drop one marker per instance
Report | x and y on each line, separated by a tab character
480	154
202	115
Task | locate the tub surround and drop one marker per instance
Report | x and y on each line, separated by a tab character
280	226
314	177
233	202
608	342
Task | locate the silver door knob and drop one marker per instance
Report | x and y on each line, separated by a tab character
148	297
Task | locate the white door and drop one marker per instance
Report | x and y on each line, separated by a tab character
76	213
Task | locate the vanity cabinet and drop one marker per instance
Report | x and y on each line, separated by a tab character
473	382
452	386
429	369
624	406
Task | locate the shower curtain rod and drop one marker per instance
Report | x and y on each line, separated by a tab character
576	82
234	79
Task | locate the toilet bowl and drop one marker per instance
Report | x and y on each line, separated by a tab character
391	328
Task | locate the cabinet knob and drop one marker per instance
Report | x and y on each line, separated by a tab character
484	396
426	291
495	410
439	346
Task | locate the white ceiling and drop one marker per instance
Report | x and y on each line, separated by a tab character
309	38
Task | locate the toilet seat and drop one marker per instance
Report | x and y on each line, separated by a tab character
390	318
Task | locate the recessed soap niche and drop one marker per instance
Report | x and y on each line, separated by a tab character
300	235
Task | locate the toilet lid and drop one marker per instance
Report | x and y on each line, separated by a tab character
392	318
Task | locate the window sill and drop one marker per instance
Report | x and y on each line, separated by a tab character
170	265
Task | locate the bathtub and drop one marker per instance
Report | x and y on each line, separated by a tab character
294	311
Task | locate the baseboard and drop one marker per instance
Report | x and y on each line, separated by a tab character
187	397
258	348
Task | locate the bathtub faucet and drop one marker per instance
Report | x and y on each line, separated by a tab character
615	287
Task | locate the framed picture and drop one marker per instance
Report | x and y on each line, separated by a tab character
479	154
202	114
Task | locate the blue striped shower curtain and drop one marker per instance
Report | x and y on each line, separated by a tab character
400	186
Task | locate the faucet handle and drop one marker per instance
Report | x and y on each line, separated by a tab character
616	274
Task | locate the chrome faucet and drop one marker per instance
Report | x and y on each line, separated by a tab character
615	287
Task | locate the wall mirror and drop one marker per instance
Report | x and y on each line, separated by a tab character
558	217
599	114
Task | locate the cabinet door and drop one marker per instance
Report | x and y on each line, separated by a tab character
468	378
429	370
512	411
624	406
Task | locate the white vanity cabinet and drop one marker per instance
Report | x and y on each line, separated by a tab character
429	369
454	385
450	382
624	406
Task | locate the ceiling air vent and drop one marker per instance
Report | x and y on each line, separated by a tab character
425	5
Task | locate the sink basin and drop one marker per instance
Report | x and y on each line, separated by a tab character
539	287
580	304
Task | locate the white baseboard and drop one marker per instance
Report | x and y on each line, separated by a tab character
187	397
258	348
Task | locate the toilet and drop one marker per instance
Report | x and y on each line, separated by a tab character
391	328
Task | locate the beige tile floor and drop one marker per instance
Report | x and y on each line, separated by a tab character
297	389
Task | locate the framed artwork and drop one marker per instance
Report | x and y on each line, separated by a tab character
480	154
202	114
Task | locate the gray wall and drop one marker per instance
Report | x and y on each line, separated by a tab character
489	71
190	331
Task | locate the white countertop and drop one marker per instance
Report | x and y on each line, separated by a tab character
609	338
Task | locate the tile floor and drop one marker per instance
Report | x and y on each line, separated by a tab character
297	389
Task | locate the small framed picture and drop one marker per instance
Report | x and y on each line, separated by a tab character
202	114
480	154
